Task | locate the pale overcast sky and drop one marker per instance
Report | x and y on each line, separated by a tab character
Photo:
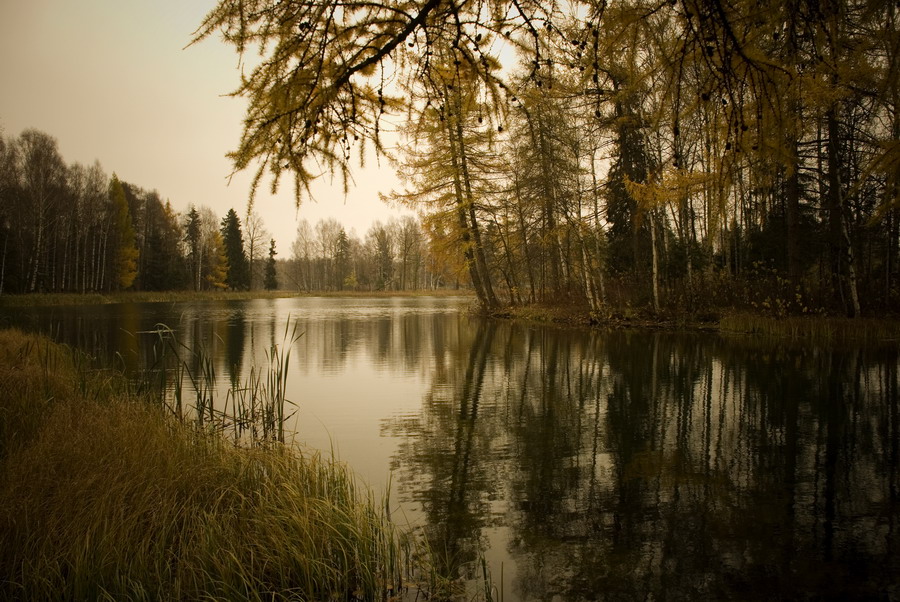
112	81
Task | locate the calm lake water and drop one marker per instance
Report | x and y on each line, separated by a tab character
582	465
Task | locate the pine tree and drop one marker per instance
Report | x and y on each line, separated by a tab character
192	238
233	239
271	279
341	259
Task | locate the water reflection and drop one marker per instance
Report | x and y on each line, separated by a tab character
581	465
635	466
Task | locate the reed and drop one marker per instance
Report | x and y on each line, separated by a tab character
254	409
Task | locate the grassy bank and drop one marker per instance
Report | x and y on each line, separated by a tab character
818	329
814	329
608	318
104	496
38	299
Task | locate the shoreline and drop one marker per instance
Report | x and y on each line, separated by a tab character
61	299
818	328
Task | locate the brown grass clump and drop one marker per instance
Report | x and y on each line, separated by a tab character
103	496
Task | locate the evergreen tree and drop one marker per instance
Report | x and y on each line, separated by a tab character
341	259
174	266
192	238
233	240
271	279
163	265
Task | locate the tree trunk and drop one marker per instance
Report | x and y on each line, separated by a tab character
465	233
841	243
523	230
104	239
3	261
511	281
587	277
480	259
599	229
36	252
474	251
792	212
654	253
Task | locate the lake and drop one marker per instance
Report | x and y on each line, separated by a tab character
580	464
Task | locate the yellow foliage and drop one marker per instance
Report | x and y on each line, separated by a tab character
673	186
126	250
218	269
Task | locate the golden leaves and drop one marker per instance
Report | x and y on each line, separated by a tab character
672	186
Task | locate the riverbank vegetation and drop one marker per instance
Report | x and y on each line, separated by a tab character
105	495
819	330
816	329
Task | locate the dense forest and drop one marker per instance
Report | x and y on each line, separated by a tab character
72	228
671	155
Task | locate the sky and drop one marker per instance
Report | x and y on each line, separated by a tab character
114	81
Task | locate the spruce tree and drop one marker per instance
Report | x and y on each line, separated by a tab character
238	269
192	238
271	278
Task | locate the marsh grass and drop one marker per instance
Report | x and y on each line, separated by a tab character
35	376
179	514
108	494
813	329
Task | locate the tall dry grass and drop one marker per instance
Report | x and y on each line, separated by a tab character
103	496
35	376
813	329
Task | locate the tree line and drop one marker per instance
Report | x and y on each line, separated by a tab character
74	228
666	154
398	255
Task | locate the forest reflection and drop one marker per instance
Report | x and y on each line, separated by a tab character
637	465
395	334
616	465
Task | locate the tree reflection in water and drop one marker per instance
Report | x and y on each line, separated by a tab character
637	465
446	455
